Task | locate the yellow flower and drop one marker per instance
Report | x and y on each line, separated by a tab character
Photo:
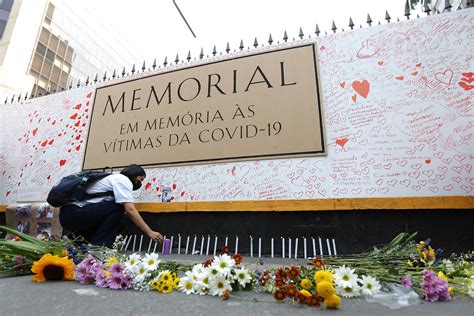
51	267
443	276
323	275
332	301
305	293
64	253
173	275
176	283
306	284
154	284
111	261
107	274
167	287
451	290
325	289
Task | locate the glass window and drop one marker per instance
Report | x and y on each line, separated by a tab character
44	36
50	11
6	5
69	54
66	67
40	49
57	62
55	74
61	49
53	42
37	62
47	65
3	24
50	55
63	80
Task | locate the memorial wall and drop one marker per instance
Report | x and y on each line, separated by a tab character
383	111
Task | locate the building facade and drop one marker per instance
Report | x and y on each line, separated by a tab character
46	46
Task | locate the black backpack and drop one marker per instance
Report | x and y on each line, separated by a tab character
72	188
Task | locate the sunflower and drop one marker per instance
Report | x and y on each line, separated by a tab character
53	268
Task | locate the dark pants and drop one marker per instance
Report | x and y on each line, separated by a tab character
98	223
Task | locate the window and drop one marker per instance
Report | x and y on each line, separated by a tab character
53	42
37	62
50	55
44	36
47	65
40	49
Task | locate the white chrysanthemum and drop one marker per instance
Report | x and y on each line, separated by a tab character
223	264
203	281
345	277
198	268
370	285
151	261
132	261
219	285
140	272
186	285
242	276
348	291
212	272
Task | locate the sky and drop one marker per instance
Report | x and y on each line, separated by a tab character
155	29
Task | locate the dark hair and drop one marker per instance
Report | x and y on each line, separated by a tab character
133	171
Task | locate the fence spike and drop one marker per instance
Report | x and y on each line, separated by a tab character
255	43
387	16
19	98
369	20
96	78
165	62
241	46
398	19
123	71
154	64
105	76
227	48
201	54
87	81
407	10
70	85
270	39
333	28
214	51
13	99
417	16
133	69
447	6
114	74
176	60
285	36
189	56
78	82
427	9
26	96
351	24
301	34
143	66
317	31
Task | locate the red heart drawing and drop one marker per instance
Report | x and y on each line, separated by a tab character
445	76
428	161
182	193
54	122
48	177
77	123
342	84
89	94
174	186
322	48
400	78
362	88
8	193
147	186
35	131
342	141
44	143
73	117
380	62
78	107
414	73
418	65
78	147
354	97
62	162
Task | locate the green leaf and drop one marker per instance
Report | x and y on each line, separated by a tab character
21	235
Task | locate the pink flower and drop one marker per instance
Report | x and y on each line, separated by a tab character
406	282
434	287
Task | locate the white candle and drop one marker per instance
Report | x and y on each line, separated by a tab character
154	248
272	248
208	243
289	247
334	246
282	247
314	247
202	246
321	252
134	242
194	244
260	247
128	242
215	245
251	246
187	245
226	241
305	252
329	247
141	241
296	248
171	245
236	244
163	245
149	245
179	244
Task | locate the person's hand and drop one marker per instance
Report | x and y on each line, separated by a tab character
156	236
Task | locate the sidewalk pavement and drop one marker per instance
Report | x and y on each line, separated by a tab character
20	296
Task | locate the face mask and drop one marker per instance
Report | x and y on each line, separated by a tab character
137	185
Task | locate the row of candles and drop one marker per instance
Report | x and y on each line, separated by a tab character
287	244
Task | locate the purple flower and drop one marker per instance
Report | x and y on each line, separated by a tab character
434	287
114	281
126	281
19	260
116	268
100	279
88	261
406	282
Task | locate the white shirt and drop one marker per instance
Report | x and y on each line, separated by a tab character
119	184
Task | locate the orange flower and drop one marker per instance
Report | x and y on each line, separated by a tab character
294	273
238	258
318	263
291	291
279	295
53	268
225	250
